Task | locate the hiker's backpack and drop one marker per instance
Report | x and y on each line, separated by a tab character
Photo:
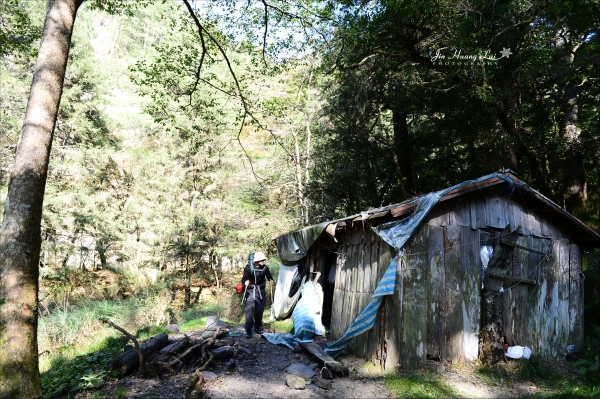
251	261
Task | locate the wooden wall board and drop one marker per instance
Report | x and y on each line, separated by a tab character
516	308
462	211
436	314
453	330
356	262
534	270
471	292
549	228
394	326
514	213
439	215
361	340
535	222
562	322
336	329
340	277
376	265
496	214
414	303
575	296
389	318
549	303
477	205
373	333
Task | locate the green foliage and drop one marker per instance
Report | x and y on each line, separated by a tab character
589	364
17	30
417	385
536	369
461	119
67	375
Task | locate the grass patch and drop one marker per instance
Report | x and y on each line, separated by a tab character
417	385
286	326
577	392
536	369
149	331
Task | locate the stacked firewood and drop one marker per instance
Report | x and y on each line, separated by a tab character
159	354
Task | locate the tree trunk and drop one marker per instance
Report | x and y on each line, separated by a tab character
402	155
573	173
20	234
573	179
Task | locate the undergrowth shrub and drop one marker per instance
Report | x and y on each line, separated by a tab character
533	369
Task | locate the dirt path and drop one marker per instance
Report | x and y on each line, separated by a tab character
259	373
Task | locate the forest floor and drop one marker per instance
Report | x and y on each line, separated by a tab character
260	372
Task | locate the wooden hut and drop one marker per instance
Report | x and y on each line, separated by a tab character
453	302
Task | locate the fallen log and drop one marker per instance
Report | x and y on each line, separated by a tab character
129	360
329	362
138	351
179	359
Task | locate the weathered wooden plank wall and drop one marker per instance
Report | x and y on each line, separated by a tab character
414	301
471	292
436	307
575	297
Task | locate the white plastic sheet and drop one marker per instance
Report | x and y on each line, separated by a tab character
517	352
282	303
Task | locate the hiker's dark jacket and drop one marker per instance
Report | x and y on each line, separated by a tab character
257	276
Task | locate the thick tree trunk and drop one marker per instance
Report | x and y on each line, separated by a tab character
20	234
573	179
402	155
573	173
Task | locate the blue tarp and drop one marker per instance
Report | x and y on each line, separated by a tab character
307	314
396	234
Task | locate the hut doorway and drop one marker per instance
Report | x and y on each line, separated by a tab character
329	274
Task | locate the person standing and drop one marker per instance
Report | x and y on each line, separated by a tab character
254	279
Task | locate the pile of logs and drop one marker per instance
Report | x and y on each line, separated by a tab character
158	354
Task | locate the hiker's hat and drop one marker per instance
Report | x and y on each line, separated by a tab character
258	256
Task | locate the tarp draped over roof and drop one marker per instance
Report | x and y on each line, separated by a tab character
293	246
396	234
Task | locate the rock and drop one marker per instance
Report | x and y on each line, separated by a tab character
322	383
241	369
245	350
362	372
209	376
301	370
231	365
213	322
326	373
173	329
295	382
440	369
224	352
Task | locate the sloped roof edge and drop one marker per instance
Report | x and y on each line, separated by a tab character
408	206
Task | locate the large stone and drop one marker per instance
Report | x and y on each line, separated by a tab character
295	382
172	329
326	373
209	376
322	383
301	370
213	322
230	366
224	352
